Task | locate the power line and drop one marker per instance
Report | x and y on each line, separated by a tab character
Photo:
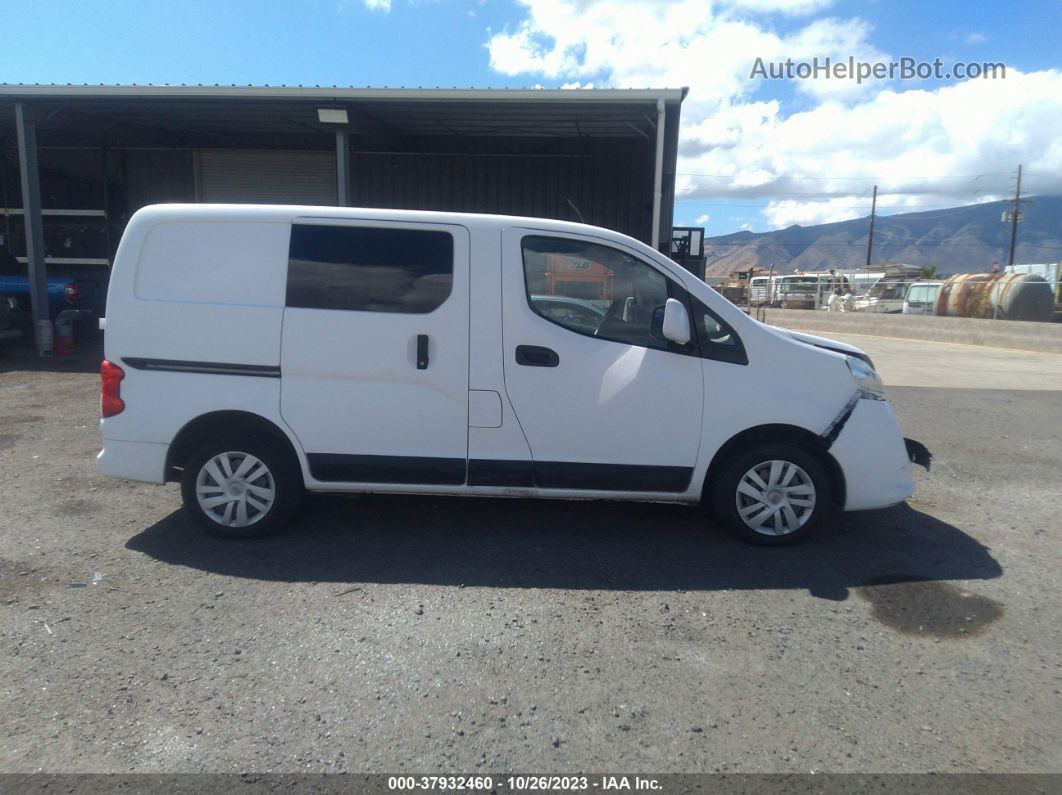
826	195
813	244
768	202
894	236
952	211
890	176
1000	190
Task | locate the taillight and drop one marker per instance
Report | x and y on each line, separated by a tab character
71	292
111	376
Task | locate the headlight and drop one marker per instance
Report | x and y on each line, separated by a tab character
870	385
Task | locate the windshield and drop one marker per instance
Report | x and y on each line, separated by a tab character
889	287
923	292
798	284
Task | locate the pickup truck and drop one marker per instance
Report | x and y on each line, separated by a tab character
14	283
62	292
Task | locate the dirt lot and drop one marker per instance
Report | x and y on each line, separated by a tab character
420	634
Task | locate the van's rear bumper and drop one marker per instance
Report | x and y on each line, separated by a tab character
144	461
873	457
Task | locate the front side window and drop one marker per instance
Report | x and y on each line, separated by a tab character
369	269
595	290
715	337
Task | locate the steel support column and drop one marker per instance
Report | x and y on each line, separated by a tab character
32	217
342	168
658	172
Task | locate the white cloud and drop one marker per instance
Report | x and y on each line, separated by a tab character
922	148
792	7
911	140
667	42
837	40
378	5
787	212
702	219
976	38
582	38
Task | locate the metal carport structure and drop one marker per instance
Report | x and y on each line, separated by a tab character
76	161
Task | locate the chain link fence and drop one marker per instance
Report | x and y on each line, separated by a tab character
995	296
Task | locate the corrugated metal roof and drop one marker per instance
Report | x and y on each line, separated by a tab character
383	93
221	115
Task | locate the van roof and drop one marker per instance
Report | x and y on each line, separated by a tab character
157	213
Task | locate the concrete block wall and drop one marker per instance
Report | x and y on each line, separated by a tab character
1014	334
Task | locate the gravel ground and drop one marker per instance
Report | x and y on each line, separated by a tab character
422	634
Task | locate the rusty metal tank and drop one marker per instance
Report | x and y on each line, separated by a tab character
1004	296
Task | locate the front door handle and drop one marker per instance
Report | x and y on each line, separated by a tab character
536	356
422	351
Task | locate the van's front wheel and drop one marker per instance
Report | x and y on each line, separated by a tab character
240	486
772	495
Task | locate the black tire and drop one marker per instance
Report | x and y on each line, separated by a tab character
281	475
725	496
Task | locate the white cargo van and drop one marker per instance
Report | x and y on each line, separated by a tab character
254	352
921	298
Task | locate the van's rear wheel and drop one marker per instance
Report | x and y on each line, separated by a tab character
240	486
772	494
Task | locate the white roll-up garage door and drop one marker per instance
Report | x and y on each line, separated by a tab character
266	176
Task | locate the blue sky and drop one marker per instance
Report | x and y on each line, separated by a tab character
759	136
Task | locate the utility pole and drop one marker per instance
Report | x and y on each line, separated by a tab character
1014	218
873	210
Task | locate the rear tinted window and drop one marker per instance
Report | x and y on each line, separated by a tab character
369	269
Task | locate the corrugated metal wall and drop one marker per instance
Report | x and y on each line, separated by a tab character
612	187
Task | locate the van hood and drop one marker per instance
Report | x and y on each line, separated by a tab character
831	345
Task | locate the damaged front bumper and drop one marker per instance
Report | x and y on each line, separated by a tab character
873	454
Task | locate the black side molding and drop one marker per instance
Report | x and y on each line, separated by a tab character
611	477
918	453
343	468
486	472
210	368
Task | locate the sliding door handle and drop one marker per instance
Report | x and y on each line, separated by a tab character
422	351
536	356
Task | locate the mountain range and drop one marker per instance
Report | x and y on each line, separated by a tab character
956	240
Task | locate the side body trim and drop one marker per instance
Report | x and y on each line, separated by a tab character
211	368
610	477
485	472
342	468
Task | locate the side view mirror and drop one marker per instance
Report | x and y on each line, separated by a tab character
673	321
